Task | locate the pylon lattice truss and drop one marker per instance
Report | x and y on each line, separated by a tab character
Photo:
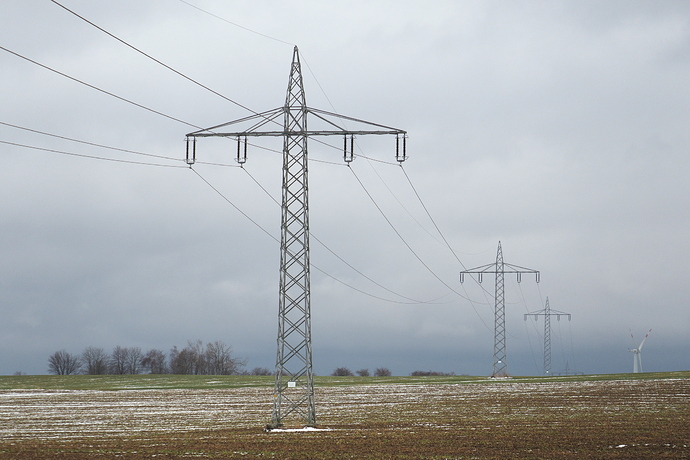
499	268
294	382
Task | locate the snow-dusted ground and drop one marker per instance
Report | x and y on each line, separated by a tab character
70	414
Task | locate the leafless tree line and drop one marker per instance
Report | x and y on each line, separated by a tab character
214	358
345	372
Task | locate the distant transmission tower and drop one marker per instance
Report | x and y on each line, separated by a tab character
547	313
499	268
294	382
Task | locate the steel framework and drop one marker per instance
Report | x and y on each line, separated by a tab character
294	377
499	268
547	313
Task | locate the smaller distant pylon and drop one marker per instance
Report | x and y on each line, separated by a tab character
547	313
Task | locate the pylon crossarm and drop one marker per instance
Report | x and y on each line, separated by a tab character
510	268
544	313
264	117
318	112
558	314
491	268
272	115
488	268
310	133
480	272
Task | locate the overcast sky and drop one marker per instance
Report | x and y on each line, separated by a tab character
560	129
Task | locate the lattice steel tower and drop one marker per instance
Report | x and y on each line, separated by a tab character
294	381
547	313
499	268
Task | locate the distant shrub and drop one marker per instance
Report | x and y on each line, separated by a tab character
342	372
429	373
260	371
382	372
363	372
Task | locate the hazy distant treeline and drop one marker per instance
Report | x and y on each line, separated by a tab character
215	358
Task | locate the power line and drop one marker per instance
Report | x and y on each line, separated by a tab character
271	38
141	153
433	221
236	25
153	58
226	199
395	230
359	272
61	152
93	144
401	204
175	70
93	157
98	89
162	114
234	205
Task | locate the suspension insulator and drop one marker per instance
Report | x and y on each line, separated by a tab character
241	153
191	155
398	156
348	156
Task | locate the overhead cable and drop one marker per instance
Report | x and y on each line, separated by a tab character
93	157
99	89
359	272
311	264
402	238
235	24
153	58
93	144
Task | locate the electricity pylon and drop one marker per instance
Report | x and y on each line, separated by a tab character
499	268
294	377
547	313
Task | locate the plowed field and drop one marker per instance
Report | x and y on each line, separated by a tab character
494	419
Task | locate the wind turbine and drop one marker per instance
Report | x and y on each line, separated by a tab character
637	353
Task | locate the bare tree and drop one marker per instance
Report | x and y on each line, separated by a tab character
382	372
182	361
198	354
95	361
63	363
363	372
219	359
213	359
342	372
154	362
118	361
133	357
190	360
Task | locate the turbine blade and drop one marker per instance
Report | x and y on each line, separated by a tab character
642	343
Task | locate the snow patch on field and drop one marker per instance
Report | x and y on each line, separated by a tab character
298	430
70	414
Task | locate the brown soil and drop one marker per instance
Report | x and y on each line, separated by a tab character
606	419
